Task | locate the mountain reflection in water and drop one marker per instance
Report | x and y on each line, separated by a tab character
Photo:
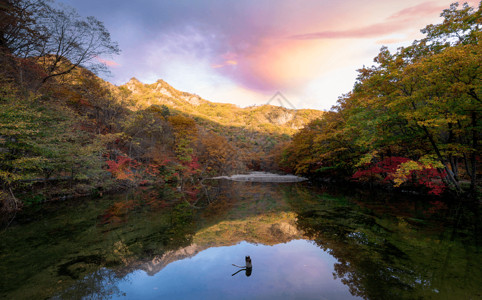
297	269
305	242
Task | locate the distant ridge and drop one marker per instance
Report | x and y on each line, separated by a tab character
284	119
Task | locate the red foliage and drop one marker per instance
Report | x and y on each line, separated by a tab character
431	178
153	169
193	166
123	167
33	67
117	212
386	169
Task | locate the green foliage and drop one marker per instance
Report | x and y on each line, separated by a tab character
42	141
421	101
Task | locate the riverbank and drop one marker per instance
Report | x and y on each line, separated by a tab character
385	187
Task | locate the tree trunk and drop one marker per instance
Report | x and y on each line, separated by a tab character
473	182
442	160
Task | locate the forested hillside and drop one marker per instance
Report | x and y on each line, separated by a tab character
64	132
412	119
255	133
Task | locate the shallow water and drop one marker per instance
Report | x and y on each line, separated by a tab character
305	242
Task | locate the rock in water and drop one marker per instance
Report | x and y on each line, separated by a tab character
263	177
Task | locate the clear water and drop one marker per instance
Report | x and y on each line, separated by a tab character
305	242
297	269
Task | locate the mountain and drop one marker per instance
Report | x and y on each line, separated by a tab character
79	134
266	118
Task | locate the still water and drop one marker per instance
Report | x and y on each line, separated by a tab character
305	242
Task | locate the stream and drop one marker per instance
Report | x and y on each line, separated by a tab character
305	241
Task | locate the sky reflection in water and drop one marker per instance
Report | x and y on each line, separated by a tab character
295	270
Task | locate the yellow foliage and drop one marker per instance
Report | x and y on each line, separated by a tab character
430	161
404	170
367	158
183	126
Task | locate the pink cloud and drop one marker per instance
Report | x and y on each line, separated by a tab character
230	56
265	62
230	62
395	23
417	11
109	63
374	30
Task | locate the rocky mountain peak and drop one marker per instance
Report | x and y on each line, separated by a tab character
133	84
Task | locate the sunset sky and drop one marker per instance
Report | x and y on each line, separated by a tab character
242	52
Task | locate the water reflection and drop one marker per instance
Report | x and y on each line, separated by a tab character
297	269
306	243
102	283
411	250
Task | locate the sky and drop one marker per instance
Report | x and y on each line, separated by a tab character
244	51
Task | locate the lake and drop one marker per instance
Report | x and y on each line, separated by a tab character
306	241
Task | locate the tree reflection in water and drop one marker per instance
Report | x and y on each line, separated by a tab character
406	253
385	247
102	283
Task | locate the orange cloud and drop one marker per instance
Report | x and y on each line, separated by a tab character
279	64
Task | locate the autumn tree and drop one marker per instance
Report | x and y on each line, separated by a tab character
420	104
98	99
19	33
41	141
56	36
216	155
